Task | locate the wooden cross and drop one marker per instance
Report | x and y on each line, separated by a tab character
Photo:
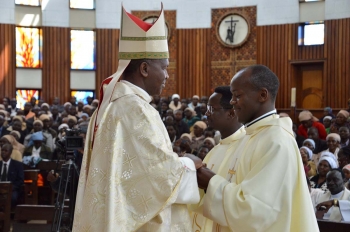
232	171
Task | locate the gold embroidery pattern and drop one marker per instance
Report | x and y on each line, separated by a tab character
133	174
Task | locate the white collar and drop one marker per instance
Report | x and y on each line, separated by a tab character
262	116
337	196
7	163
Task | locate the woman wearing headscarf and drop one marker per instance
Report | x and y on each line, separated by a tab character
190	117
175	102
327	111
18	148
327	162
327	122
209	143
309	165
333	144
197	135
341	120
38	127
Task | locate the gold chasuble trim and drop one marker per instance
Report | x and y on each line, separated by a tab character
143	55
143	38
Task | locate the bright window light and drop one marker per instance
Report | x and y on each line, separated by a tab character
28	2
82	49
82	4
28	47
314	34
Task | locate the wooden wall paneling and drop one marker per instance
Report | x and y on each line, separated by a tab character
7	60
107	48
335	54
193	62
56	63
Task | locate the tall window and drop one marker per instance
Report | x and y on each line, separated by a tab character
82	49
82	4
311	33
28	2
28	47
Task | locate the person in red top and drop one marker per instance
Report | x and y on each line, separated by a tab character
307	121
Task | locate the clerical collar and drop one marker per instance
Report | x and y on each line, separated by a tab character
261	117
337	196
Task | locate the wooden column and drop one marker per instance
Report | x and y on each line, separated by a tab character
56	64
7	60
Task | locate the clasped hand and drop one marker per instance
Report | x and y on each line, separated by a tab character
203	173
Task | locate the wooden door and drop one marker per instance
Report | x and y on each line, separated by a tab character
309	84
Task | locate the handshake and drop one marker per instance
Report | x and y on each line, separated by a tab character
204	174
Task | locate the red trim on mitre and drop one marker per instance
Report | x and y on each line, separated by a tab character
142	24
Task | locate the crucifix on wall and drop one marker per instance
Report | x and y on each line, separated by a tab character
231	30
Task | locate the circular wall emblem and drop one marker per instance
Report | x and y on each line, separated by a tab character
152	19
232	30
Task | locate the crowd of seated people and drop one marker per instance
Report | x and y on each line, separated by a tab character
31	133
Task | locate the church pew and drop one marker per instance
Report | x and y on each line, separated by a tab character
31	186
32	218
5	206
329	226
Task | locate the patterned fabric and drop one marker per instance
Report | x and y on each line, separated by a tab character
130	179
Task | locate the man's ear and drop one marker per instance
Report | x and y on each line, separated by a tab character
263	95
144	69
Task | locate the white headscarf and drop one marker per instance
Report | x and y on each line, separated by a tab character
309	152
330	158
311	141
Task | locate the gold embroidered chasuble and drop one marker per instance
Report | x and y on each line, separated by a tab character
130	180
216	160
268	190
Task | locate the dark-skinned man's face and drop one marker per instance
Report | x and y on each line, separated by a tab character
335	182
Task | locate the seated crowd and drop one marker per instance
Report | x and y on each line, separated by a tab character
29	135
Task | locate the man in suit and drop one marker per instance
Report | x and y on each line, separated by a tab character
3	129
11	170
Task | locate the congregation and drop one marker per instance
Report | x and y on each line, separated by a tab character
29	135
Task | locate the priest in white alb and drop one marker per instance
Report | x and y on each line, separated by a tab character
221	117
130	179
265	188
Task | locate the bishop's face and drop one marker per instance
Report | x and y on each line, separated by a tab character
157	76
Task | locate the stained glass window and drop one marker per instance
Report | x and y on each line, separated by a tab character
82	49
24	95
82	95
28	47
28	2
82	4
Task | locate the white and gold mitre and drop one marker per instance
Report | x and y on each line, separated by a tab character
137	40
142	40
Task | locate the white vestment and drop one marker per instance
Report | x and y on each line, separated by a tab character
216	161
338	214
131	180
268	190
